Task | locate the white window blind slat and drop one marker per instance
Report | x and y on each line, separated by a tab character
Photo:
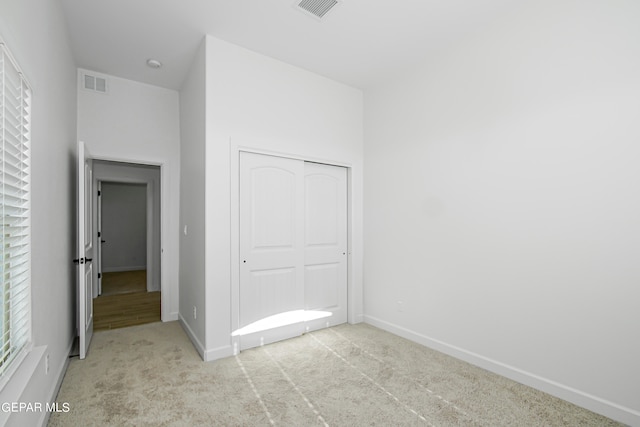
15	246
13	198
14	266
20	325
12	79
13	94
18	162
18	314
13	186
16	212
14	189
12	134
13	173
13	100
13	118
16	243
18	338
18	143
20	179
19	236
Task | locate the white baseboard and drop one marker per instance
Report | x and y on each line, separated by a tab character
119	269
206	355
356	318
192	336
593	403
218	353
171	317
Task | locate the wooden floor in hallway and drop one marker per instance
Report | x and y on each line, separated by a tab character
125	301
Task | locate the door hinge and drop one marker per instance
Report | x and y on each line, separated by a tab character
99	275
99	193
99	234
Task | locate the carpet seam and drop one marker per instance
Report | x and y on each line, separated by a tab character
295	387
255	391
431	392
371	380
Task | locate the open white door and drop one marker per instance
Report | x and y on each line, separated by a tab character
85	250
99	242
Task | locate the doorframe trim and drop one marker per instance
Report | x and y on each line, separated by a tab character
354	293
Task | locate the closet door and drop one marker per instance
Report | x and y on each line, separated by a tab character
325	243
293	248
271	247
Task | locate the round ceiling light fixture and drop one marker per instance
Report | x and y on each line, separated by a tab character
154	63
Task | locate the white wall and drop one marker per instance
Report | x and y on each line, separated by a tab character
192	200
139	123
501	200
261	103
124	227
35	32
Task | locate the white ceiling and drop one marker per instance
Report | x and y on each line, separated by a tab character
359	42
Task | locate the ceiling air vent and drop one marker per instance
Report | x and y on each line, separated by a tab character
316	8
95	84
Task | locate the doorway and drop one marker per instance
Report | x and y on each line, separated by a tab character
127	221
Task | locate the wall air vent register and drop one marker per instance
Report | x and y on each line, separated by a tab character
94	83
316	8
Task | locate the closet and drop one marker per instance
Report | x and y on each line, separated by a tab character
293	247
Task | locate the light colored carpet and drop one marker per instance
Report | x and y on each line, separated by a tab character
349	375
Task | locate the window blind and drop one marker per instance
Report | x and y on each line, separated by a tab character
15	252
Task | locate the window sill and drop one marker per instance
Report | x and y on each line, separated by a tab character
15	387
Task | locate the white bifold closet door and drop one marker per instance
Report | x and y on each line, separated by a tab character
293	247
